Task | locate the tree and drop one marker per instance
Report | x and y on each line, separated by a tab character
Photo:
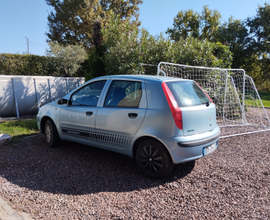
98	38
210	23
186	23
127	47
235	35
67	57
95	62
260	29
260	35
201	26
71	21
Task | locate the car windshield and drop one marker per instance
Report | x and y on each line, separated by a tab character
187	93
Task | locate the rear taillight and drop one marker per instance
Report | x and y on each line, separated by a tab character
176	111
205	93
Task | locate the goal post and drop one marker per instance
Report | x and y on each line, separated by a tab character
239	106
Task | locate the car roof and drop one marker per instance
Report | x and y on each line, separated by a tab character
140	77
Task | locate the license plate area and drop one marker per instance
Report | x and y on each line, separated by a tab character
209	149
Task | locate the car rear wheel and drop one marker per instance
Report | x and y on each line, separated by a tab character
153	159
51	134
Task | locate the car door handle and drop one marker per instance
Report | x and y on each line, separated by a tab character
89	113
132	115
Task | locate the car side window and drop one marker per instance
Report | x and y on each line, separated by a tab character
124	94
88	95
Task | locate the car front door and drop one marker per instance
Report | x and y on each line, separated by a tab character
77	120
121	115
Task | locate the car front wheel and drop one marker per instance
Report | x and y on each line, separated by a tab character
51	134
153	159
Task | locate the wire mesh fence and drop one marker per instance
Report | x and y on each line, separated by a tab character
147	69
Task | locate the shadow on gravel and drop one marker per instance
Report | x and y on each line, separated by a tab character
75	169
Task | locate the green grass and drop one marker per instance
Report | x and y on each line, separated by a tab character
265	97
19	128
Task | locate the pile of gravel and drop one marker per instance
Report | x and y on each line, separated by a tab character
80	182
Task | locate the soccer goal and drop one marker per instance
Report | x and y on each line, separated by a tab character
239	106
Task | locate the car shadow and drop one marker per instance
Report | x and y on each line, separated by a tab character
76	169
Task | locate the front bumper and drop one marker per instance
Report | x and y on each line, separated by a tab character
38	122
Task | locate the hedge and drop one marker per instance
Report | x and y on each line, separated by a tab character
33	65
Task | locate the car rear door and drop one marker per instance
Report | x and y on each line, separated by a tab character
122	114
198	110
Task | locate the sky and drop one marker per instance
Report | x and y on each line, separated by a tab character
22	20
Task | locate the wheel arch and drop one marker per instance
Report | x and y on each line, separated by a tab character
42	123
143	138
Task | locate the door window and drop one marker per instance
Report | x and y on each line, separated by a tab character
124	94
88	95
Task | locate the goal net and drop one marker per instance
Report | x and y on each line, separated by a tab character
239	107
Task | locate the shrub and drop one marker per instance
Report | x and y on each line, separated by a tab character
33	65
126	47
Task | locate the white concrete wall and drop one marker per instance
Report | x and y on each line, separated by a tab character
32	92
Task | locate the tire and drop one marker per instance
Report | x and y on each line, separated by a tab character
153	159
51	134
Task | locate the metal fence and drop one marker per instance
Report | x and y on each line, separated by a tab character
23	95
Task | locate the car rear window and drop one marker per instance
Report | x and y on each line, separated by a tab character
187	93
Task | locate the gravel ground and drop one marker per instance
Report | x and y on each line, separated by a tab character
80	182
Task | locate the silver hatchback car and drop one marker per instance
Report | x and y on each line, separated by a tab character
159	121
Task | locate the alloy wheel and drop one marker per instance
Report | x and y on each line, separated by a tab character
151	159
48	133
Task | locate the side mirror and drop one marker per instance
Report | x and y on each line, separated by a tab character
62	101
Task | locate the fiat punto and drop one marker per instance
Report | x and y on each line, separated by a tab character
159	121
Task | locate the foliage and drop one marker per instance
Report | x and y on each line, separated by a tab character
15	64
201	26
122	48
96	66
260	29
95	62
67	57
98	38
247	40
234	34
223	56
251	64
128	47
71	22
33	65
260	38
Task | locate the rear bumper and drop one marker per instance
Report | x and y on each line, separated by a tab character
188	148
199	142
